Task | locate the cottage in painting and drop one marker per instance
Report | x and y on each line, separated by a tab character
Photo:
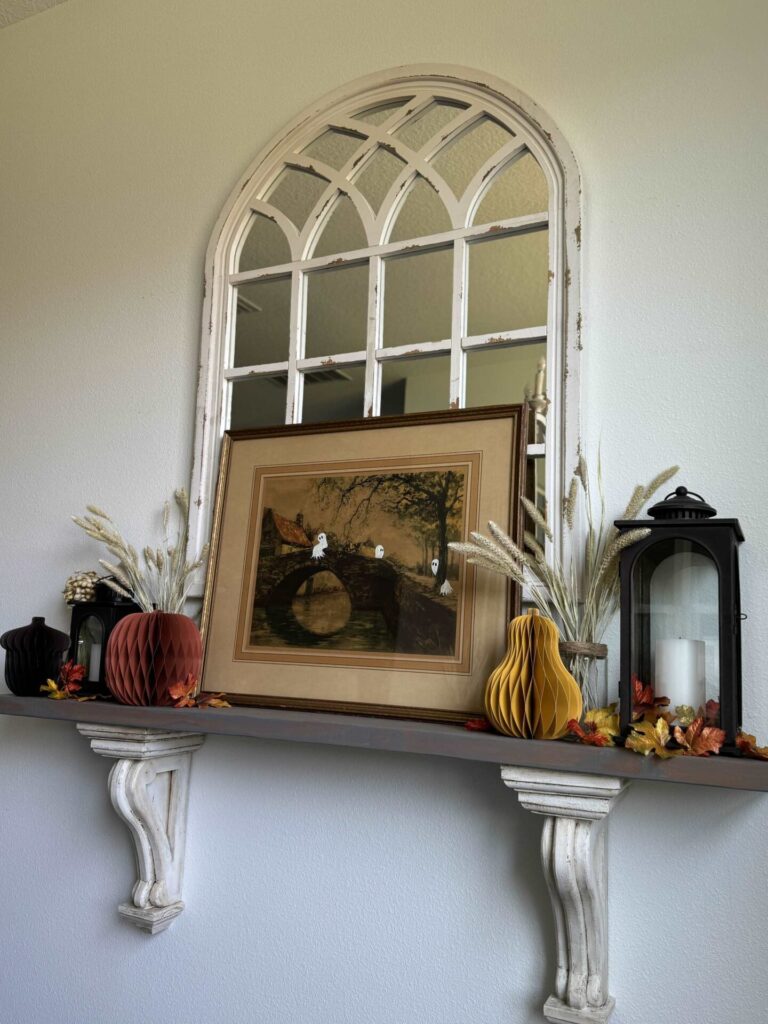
281	536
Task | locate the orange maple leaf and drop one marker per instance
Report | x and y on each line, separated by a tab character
699	740
182	692
71	676
645	702
747	744
590	735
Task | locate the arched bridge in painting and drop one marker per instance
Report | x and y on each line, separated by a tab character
417	622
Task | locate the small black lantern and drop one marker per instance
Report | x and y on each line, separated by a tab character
680	609
92	622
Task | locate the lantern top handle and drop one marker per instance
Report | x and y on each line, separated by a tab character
682	504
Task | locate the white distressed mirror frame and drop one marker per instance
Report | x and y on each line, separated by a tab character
563	330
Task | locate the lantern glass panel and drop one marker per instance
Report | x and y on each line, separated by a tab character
675	623
90	643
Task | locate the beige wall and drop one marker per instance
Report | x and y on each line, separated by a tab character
333	885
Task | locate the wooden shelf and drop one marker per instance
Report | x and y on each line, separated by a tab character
403	736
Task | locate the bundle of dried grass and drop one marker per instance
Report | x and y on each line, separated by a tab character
582	595
164	581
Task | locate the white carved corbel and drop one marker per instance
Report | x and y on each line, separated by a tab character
573	858
149	789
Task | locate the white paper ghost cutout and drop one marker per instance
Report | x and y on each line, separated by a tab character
435	566
319	548
379	552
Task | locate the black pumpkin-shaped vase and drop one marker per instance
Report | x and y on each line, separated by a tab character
33	654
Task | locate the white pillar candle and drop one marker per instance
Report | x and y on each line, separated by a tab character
680	671
94	664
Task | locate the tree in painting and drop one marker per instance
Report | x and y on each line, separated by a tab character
429	504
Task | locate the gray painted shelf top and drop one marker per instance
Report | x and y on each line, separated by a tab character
410	737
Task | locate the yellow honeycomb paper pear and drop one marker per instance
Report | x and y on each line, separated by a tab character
531	694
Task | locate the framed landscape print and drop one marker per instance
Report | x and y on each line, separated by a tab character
331	584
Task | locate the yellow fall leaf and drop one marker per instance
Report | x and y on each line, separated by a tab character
605	722
651	738
51	690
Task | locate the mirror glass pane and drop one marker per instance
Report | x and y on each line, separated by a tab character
262	328
333	148
415	385
417	298
295	194
265	245
337	310
498	376
508	283
518	190
258	402
422	213
417	132
378	114
460	160
343	231
334	394
378	175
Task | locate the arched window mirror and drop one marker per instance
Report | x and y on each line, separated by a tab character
410	244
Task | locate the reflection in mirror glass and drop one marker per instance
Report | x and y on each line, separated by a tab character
420	129
536	491
518	190
417	298
343	230
415	385
499	376
333	148
508	283
262	328
295	194
258	402
460	160
422	213
378	175
337	310
265	245
334	394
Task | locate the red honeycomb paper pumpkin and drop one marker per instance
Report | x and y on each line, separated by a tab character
147	653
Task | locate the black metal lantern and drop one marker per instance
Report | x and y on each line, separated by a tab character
92	622
680	609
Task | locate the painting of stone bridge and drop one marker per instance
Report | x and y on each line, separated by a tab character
359	562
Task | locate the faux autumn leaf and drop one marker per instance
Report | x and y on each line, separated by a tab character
747	744
477	724
651	738
712	712
71	674
600	728
182	692
51	689
645	702
213	700
700	740
685	714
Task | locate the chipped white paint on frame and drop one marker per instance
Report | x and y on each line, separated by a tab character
480	94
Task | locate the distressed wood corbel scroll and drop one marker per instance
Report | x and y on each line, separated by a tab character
573	858
149	789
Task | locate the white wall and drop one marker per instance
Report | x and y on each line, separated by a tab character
323	885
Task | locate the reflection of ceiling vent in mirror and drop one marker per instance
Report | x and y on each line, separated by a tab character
312	377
